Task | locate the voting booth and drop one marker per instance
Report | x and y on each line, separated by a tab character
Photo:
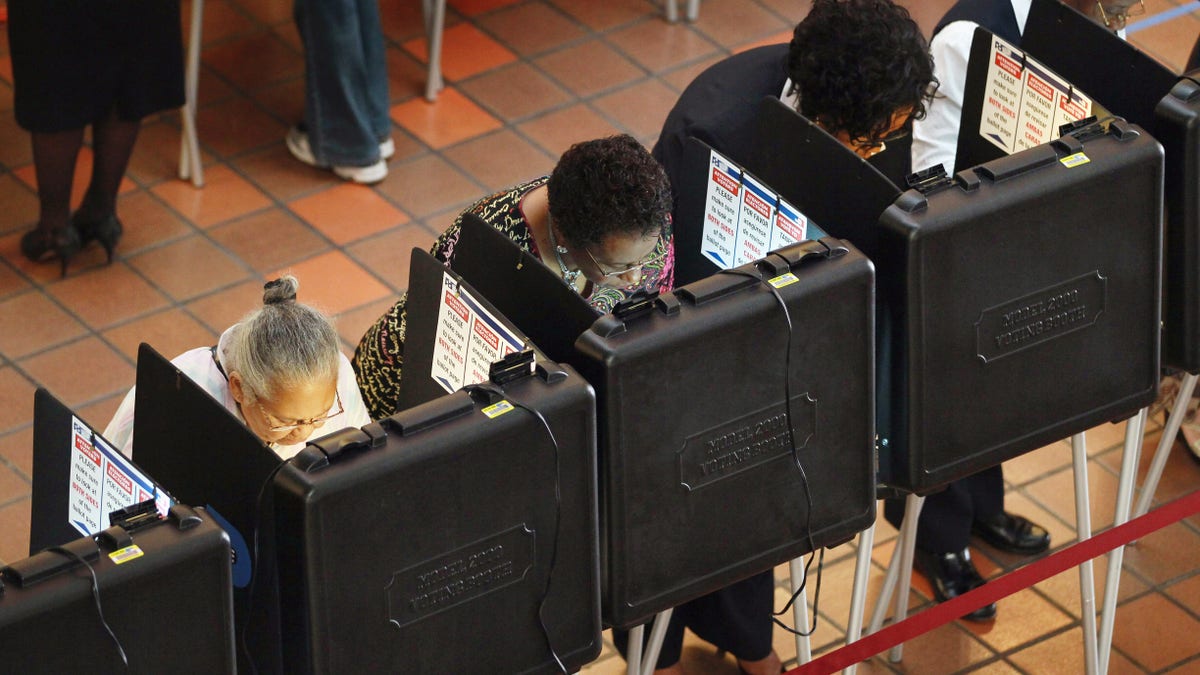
1135	86
204	455
735	424
1012	284
735	414
163	589
457	536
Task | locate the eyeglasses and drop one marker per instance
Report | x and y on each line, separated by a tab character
296	424
1116	18
654	257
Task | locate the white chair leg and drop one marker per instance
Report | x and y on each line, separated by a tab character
189	145
858	593
908	536
693	10
1174	421
1135	430
1083	528
435	19
672	10
800	610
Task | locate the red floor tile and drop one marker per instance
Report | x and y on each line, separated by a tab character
269	240
515	91
474	7
657	48
20	201
188	268
334	284
43	324
501	159
640	108
16	400
15	148
604	15
352	325
466	51
14	522
156	154
274	60
225	196
17	449
561	129
590	67
429	185
107	296
80	372
1155	632
148	222
12	484
388	255
226	307
170	332
10	281
235	126
451	119
531	28
734	22
348	212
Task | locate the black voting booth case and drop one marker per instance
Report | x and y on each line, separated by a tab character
1015	282
165	593
1135	86
457	536
702	393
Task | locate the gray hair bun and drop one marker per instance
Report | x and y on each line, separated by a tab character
280	290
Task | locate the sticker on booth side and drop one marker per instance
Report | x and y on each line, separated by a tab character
124	555
1072	161
497	409
785	279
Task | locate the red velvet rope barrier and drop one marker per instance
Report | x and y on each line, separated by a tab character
1003	586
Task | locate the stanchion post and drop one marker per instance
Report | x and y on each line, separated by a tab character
908	538
1083	528
633	655
435	19
657	633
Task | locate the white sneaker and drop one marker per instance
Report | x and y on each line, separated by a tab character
297	144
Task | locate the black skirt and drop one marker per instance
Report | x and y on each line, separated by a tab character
74	60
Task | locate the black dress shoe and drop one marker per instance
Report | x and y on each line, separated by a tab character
1014	534
951	575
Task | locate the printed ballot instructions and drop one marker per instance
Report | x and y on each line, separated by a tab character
103	481
469	339
1024	102
744	219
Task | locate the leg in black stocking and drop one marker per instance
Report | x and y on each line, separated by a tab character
54	156
112	145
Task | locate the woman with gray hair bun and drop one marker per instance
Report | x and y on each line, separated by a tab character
279	370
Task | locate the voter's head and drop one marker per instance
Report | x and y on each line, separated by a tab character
861	69
610	203
282	362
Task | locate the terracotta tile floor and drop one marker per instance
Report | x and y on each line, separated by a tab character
525	79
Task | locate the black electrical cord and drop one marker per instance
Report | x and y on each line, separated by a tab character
557	509
95	598
787	392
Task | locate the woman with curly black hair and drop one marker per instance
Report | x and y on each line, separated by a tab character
601	219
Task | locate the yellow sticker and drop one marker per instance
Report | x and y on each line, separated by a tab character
126	554
785	279
1074	160
497	409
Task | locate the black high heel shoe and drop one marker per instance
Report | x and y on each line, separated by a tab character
60	244
107	231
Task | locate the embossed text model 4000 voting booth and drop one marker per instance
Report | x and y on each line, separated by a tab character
155	598
457	536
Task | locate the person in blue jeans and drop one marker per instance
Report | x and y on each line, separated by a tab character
346	127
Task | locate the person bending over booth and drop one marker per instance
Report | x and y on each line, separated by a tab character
279	370
859	69
601	219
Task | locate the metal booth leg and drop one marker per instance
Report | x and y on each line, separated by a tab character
435	19
189	143
1174	421
800	610
639	662
1083	528
1135	429
858	594
899	574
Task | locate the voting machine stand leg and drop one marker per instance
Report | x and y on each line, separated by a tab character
1083	529
189	144
672	10
800	610
1135	428
639	662
1174	421
435	20
693	9
899	574
858	594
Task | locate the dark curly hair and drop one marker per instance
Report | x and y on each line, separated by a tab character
856	63
608	186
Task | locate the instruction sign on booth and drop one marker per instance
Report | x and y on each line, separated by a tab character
103	481
469	339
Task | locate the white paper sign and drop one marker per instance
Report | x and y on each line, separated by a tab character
744	219
468	340
1024	102
103	481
